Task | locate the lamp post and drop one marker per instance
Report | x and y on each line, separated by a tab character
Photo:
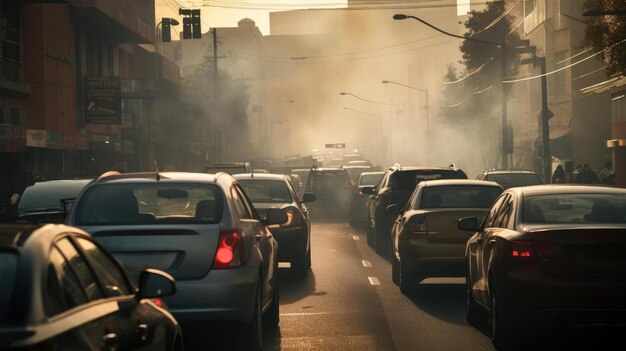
502	46
172	22
425	91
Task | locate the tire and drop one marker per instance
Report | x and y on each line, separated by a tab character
254	332
474	314
395	271
272	316
502	334
407	278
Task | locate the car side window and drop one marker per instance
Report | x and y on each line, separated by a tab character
109	273
383	183
61	290
80	267
505	214
493	212
412	203
500	217
240	206
246	202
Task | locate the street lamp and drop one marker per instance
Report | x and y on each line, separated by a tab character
172	22
502	46
366	100
425	91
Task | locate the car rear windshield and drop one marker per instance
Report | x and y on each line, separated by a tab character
405	181
575	208
273	191
459	196
160	203
356	172
370	179
510	180
8	271
229	170
327	180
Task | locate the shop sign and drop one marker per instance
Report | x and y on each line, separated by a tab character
36	138
103	103
67	59
12	138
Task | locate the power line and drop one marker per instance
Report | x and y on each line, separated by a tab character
367	6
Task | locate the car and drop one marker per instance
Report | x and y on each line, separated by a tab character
267	191
353	156
47	201
230	168
395	188
60	290
260	170
333	189
335	163
360	163
358	204
303	173
547	256
426	241
355	171
200	228
510	178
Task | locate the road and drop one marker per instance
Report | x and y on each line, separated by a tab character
341	307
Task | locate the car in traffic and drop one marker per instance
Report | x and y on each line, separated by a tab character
60	290
358	203
547	256
333	189
268	191
510	178
395	188
230	168
48	201
426	241
200	228
303	173
352	156
355	171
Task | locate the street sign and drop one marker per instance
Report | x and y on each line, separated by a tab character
103	103
336	146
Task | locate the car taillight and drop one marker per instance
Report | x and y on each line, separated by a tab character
293	217
417	225
159	302
522	249
229	250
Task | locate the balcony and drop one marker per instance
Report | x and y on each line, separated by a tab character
12	81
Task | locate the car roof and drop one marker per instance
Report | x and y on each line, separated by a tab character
503	171
357	167
372	173
327	169
141	177
424	168
228	164
444	182
259	176
566	189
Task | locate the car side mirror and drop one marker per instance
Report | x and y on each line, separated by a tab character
368	190
154	283
393	209
275	216
309	197
468	224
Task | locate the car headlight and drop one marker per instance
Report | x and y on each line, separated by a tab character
293	217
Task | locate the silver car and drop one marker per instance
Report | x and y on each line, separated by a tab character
200	228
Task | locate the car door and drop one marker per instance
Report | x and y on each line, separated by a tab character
477	272
139	325
377	197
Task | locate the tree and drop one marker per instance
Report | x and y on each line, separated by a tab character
604	34
483	63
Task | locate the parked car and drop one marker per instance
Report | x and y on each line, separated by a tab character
333	189
547	256
200	228
510	178
425	238
358	210
268	191
60	290
230	168
48	201
395	188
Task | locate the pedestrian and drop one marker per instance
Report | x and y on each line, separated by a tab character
606	174
587	175
577	175
559	175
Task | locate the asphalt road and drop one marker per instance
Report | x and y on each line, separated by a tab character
349	302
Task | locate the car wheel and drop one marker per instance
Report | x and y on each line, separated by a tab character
395	271
501	332
474	313
272	316
407	278
254	339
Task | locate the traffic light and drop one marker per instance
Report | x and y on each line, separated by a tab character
191	23
186	28
166	35
196	24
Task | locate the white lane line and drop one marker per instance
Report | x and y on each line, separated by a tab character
356	237
373	280
366	263
284	264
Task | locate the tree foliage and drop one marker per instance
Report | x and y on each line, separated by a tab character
604	34
482	65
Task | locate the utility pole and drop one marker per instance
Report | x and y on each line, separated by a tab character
218	140
505	137
545	123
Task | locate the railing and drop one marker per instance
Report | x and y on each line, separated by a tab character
11	70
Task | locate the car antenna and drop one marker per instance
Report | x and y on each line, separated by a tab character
156	169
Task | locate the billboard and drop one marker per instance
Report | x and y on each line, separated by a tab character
103	103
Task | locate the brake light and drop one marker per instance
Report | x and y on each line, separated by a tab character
158	302
229	250
522	248
418	225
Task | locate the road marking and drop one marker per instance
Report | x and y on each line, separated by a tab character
284	264
366	263
333	250
356	237
373	280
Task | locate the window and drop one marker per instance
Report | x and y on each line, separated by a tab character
240	206
489	221
459	196
269	191
505	214
80	268
113	279
575	208
16	117
62	291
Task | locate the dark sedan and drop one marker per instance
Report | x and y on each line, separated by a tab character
43	202
548	256
60	291
267	191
